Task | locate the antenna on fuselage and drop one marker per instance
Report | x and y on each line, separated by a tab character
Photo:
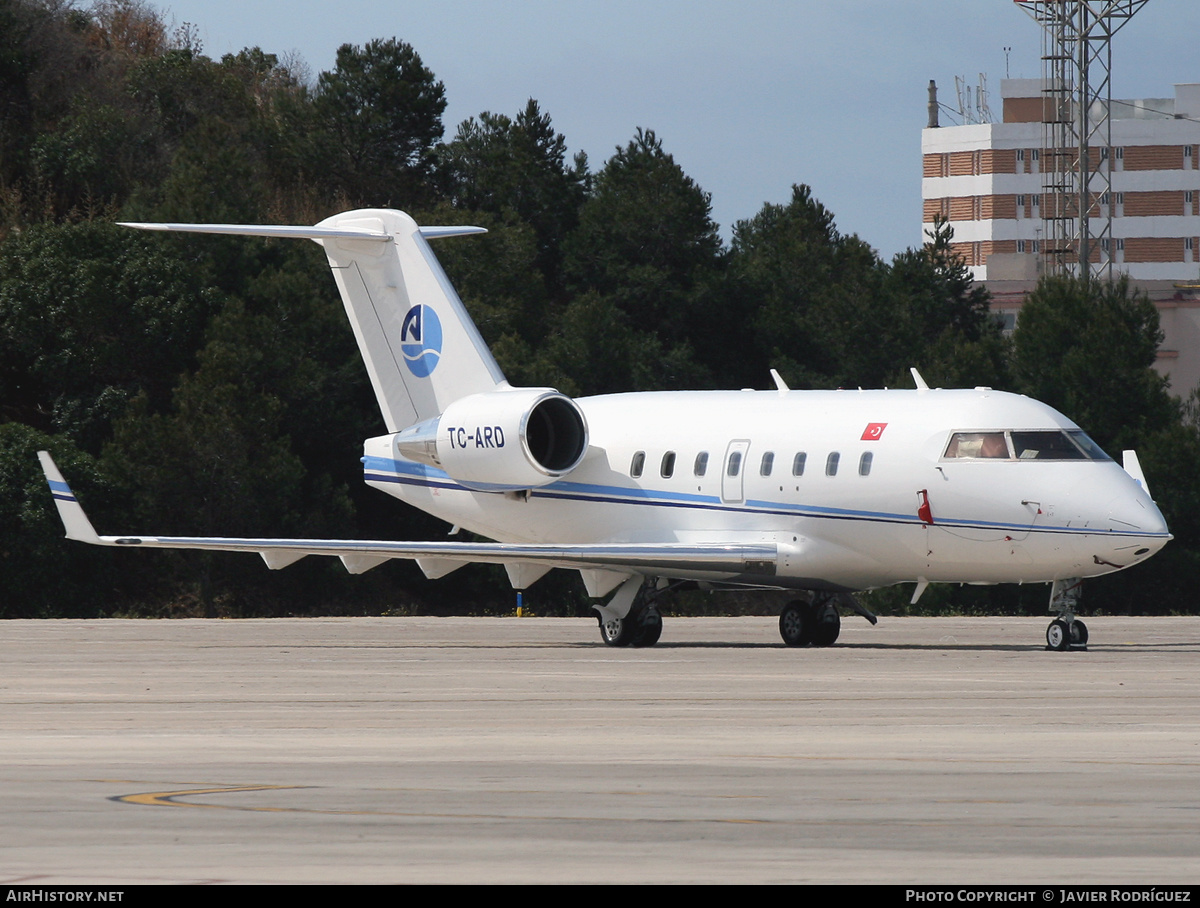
921	386
779	382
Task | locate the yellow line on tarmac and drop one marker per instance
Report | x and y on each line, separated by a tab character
168	798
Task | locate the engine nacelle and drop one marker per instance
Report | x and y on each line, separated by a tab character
498	441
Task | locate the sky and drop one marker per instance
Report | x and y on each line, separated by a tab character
749	97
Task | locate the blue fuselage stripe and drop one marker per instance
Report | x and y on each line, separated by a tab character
380	469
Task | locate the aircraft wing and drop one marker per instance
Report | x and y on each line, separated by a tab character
438	558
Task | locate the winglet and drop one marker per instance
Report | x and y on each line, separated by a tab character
1132	466
70	511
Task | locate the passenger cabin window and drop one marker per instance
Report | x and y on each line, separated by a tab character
864	464
667	468
831	464
638	464
701	466
768	461
735	463
798	464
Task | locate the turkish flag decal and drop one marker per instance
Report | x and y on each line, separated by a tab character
873	431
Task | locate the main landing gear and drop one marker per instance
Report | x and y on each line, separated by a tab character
641	623
815	623
1066	631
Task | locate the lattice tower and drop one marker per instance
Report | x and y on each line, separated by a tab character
1076	157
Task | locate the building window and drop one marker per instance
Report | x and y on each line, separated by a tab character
1020	154
1120	154
1187	243
1020	245
1036	153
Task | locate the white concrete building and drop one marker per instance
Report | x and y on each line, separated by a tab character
987	179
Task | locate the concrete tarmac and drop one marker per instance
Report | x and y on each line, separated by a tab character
452	750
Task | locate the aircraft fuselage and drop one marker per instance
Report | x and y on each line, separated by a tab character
856	488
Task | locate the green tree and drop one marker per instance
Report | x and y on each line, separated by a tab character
810	298
645	236
95	157
498	278
945	326
506	166
380	116
1088	349
42	575
646	243
90	316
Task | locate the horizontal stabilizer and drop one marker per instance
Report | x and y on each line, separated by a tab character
300	233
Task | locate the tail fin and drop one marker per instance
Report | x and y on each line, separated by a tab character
421	349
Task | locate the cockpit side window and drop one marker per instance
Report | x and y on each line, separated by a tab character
1046	446
1090	448
977	445
1030	444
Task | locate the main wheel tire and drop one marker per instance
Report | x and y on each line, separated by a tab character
1078	633
795	624
1058	635
649	627
826	624
617	631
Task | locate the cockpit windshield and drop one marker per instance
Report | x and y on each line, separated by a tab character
1032	444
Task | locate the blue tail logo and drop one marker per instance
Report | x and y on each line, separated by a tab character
421	340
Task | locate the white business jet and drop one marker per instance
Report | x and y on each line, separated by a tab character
827	492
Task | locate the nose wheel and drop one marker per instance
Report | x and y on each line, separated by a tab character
1066	631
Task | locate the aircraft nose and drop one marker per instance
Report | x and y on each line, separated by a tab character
1136	515
1132	513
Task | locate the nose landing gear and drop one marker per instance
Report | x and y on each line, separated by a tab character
1066	632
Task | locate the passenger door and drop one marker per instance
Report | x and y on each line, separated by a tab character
733	471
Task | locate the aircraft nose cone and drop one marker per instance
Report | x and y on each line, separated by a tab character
1139	522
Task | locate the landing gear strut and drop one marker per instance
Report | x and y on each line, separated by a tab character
1066	631
815	623
641	625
